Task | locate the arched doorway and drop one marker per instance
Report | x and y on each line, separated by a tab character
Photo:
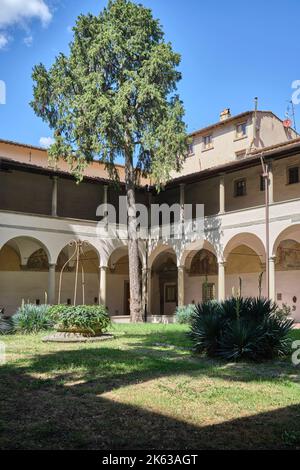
164	283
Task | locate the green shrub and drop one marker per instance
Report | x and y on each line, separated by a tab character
31	318
90	320
184	314
240	328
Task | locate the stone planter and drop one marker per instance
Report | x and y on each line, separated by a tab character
78	330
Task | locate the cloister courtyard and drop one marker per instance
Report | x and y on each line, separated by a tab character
144	389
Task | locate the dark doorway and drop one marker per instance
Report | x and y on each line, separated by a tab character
126	298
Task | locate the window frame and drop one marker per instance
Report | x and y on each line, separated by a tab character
235	183
290	168
206	146
170	299
241	136
191	149
262	183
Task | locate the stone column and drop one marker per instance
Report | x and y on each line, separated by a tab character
54	196
221	280
51	284
181	272
149	292
271	184
272	291
102	290
222	194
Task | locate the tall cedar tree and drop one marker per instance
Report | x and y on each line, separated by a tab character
113	98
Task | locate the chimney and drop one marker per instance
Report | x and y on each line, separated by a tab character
225	114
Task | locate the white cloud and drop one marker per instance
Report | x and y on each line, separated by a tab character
19	13
46	142
3	40
28	40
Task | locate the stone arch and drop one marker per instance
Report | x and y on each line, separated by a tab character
292	233
192	249
245	267
249	240
25	246
21	279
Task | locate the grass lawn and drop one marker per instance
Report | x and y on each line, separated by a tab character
134	393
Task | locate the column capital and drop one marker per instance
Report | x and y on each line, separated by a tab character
103	268
272	259
222	262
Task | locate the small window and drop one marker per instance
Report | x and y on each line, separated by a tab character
240	187
262	183
191	149
241	130
208	291
207	142
293	175
171	293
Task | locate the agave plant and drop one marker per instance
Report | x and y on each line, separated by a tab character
240	328
207	325
32	318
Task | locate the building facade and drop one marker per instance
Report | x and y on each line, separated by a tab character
42	210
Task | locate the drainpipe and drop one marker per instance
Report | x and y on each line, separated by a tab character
265	175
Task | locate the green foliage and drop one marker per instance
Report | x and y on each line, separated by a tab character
184	314
114	95
31	318
240	328
86	319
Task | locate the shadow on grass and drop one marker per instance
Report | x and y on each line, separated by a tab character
59	402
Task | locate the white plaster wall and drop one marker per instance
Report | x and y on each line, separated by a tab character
288	284
115	293
225	144
27	285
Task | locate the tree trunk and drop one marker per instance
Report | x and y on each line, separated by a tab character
136	313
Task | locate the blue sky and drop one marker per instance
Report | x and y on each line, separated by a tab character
231	52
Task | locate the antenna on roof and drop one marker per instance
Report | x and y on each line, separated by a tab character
293	114
290	115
